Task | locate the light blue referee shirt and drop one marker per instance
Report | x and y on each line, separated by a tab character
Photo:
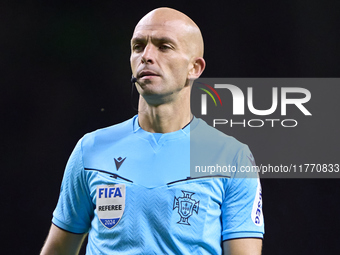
132	192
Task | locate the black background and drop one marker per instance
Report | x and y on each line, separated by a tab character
65	72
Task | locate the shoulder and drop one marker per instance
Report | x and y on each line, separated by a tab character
206	135
212	148
109	134
96	148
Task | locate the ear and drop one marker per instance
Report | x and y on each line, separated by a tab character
197	68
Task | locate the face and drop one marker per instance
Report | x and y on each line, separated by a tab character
160	57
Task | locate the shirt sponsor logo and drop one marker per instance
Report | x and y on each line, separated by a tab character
119	161
257	214
110	204
186	206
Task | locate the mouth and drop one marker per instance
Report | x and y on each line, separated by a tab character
146	74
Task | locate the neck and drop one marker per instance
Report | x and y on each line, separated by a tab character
164	118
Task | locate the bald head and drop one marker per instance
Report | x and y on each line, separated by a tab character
166	55
175	21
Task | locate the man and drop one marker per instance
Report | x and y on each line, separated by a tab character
128	185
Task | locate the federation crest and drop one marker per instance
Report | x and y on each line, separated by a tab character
186	206
110	204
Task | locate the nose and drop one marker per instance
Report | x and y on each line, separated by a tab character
148	56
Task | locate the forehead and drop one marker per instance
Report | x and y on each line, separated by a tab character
175	30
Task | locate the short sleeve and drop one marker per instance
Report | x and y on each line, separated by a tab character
242	215
74	210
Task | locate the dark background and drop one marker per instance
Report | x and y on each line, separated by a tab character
65	72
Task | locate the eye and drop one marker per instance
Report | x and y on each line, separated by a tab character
137	47
164	47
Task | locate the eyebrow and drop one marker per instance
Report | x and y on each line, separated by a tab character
163	39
